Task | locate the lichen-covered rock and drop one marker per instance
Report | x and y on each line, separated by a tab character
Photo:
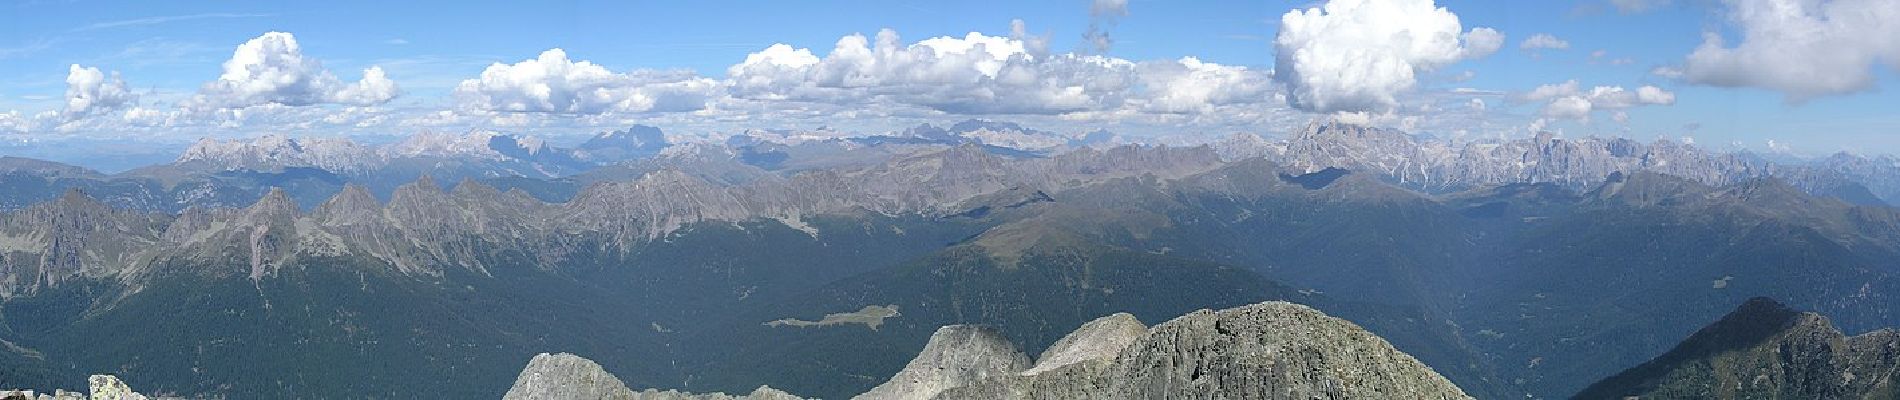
957	355
1272	350
108	387
566	376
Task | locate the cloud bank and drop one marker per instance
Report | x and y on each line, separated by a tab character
1801	48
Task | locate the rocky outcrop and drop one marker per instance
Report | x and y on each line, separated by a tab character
1272	350
1764	350
1099	340
566	376
957	355
104	387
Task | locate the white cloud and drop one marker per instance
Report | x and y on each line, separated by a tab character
1569	101
1358	55
1801	48
1190	85
89	90
553	83
272	69
983	74
973	74
1477	105
1544	41
12	121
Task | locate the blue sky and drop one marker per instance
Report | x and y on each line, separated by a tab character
669	66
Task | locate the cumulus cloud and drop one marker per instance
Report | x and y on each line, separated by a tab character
983	74
1544	41
1358	55
272	69
89	90
1190	85
1801	48
976	73
554	83
1568	100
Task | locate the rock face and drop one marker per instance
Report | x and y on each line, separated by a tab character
1764	350
957	355
566	376
1098	340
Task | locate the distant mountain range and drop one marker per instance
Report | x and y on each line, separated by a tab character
235	173
819	265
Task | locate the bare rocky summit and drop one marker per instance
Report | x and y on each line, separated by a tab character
1272	350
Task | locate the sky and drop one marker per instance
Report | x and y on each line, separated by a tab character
1797	76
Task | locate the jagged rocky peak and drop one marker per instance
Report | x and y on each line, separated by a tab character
1765	350
957	355
1099	340
566	376
275	206
352	206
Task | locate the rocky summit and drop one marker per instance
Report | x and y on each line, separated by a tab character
566	376
1271	350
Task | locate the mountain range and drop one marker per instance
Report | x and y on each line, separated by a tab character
818	265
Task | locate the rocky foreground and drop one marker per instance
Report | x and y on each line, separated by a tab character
104	387
1272	350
